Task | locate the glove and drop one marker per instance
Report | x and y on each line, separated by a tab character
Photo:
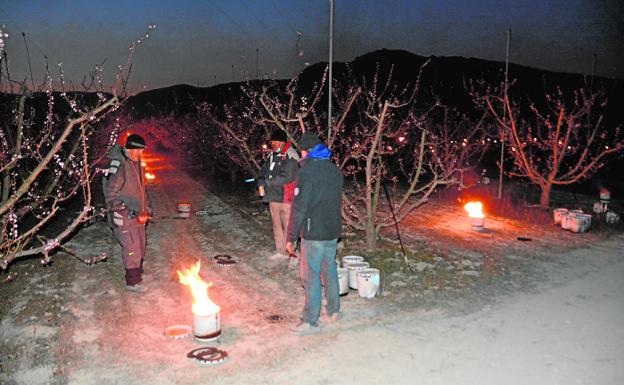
118	218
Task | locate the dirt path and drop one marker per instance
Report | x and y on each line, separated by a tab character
563	327
566	332
115	332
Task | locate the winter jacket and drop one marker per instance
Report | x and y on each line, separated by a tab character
124	188
277	175
316	210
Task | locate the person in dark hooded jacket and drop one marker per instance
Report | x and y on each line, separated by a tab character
316	218
276	184
128	206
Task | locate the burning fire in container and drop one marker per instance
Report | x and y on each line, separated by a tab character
475	212
206	323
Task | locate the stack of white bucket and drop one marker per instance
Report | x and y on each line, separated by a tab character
573	220
357	274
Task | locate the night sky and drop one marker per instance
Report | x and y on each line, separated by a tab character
198	40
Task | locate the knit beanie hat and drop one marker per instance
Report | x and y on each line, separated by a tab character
308	140
279	136
135	141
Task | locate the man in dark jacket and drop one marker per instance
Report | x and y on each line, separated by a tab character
276	185
316	217
127	206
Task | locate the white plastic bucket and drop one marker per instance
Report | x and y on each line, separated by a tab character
579	223
347	259
343	280
557	214
566	220
612	217
353	269
368	283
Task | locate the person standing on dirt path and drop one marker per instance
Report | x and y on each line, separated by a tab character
127	206
316	217
276	186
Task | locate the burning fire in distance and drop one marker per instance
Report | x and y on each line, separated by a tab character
475	209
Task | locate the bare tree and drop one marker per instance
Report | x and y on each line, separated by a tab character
243	128
382	134
559	144
49	161
398	139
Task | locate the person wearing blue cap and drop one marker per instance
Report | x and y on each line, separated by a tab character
316	217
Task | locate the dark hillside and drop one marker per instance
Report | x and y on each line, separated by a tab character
444	77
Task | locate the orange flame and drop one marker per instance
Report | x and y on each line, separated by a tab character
202	304
475	209
150	176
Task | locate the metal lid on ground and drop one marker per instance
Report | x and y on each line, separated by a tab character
178	331
208	355
224	260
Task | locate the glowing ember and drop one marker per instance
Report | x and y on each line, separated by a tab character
202	304
475	209
150	176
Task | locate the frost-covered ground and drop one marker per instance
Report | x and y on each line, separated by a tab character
481	308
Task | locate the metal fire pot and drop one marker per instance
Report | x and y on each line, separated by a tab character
478	224
207	327
184	210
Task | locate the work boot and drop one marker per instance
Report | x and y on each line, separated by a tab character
305	329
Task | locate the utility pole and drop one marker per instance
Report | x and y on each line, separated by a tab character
331	59
502	153
232	73
215	80
257	63
591	85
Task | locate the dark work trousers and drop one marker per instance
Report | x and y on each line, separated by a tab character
133	241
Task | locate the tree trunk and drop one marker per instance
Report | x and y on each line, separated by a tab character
545	197
371	237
